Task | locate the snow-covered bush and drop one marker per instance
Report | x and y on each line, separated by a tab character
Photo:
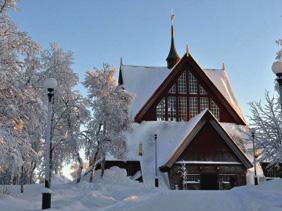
4	190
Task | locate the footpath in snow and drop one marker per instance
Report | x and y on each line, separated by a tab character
121	193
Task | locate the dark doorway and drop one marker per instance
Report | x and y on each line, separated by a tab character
209	182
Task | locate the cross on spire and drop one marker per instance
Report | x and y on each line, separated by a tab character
172	57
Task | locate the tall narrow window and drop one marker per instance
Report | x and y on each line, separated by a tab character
193	84
204	103
171	108
193	106
202	91
160	110
182	108
214	109
172	89
182	83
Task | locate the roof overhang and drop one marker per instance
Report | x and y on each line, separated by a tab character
207	117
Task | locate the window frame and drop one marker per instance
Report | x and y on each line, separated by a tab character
199	95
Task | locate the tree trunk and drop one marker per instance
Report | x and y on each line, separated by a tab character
93	167
31	172
93	163
103	165
79	170
22	179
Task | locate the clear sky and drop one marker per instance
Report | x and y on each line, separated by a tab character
240	33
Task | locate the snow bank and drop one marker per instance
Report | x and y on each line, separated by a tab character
59	179
111	194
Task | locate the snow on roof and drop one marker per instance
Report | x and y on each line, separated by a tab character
221	81
142	81
170	135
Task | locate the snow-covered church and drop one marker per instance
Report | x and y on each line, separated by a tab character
188	130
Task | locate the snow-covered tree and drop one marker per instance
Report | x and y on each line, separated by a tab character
19	101
23	108
6	4
267	123
69	109
266	120
109	105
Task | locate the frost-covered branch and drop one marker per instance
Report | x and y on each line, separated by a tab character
266	120
109	105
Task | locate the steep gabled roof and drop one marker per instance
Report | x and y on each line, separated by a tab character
147	82
205	117
221	81
141	81
169	133
170	136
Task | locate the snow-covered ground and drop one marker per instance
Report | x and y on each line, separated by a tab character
116	192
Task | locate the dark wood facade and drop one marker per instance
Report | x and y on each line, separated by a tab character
212	160
208	156
271	171
131	167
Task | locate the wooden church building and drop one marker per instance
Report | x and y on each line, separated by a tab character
188	130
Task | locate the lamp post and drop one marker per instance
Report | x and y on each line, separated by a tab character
156	162
255	157
50	84
277	70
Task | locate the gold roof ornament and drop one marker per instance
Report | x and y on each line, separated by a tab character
187	50
223	66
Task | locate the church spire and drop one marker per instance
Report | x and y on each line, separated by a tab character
172	57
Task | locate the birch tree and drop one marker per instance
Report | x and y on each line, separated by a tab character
69	108
20	104
266	121
109	103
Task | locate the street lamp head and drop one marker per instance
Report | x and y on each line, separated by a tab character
277	68
155	136
50	83
253	131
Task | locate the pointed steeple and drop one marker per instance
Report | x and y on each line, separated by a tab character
120	79
172	57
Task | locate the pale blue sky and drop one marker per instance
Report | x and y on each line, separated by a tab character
241	33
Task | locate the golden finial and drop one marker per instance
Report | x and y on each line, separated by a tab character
187	50
223	66
172	17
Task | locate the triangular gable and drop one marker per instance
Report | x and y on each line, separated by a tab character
141	81
155	97
207	117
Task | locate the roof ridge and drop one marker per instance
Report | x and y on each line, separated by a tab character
144	66
212	69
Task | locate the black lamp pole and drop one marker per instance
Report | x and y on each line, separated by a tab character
279	80
46	197
254	155
277	70
156	162
50	84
